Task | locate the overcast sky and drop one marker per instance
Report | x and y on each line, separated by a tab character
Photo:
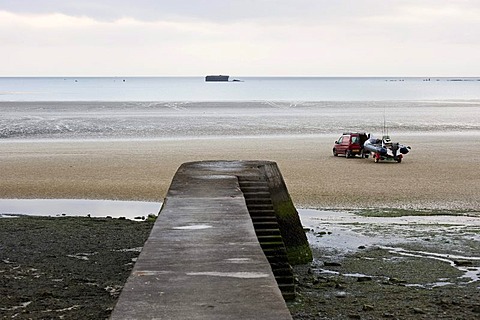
240	37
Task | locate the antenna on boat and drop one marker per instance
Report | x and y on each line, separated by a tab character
385	128
383	131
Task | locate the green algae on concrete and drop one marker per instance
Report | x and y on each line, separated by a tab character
294	237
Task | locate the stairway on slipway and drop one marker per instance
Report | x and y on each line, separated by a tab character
260	206
218	249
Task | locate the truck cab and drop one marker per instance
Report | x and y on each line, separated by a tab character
350	144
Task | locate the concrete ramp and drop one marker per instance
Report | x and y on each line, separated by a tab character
203	259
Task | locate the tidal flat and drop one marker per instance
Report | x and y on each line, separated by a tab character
394	267
66	267
407	267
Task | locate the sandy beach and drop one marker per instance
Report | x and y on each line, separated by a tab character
439	173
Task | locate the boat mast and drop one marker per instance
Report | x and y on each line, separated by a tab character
385	129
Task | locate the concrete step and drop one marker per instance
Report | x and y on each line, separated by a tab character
279	263
258	194
268	232
270	218
259	204
250	201
288	295
282	270
279	252
255	207
287	287
268	238
254	189
246	179
261	212
255	177
252	178
277	260
265	224
288	279
256	184
271	245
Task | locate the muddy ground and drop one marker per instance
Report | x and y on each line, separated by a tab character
376	284
65	268
396	267
74	268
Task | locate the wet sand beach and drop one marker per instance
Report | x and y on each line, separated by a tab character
439	173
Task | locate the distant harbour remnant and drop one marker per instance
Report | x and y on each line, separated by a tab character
216	78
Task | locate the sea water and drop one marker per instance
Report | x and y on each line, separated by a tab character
78	207
186	107
247	89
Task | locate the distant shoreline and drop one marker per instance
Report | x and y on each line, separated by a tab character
270	88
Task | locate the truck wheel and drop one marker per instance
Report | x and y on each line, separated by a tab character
347	154
335	154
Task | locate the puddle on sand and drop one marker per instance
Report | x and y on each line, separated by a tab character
339	231
78	207
193	227
344	232
241	275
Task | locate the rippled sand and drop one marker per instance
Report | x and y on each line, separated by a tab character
441	171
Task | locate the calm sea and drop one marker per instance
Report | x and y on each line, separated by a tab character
248	89
189	107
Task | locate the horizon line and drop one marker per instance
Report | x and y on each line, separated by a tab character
247	76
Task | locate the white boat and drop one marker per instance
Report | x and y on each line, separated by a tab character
385	149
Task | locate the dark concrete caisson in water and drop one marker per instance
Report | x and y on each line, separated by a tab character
216	78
